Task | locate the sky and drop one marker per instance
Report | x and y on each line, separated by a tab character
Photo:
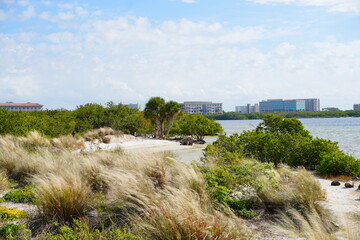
64	54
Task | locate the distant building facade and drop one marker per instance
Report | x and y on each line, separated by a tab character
24	107
133	105
331	109
248	108
290	105
201	108
357	107
312	104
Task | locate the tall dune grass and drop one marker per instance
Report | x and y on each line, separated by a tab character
62	196
152	195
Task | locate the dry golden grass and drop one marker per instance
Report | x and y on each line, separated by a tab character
3	181
67	143
100	133
306	224
154	195
63	196
294	188
138	190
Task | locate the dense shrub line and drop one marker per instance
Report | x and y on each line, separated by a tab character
279	140
56	123
321	114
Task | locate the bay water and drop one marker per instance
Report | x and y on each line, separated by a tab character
345	131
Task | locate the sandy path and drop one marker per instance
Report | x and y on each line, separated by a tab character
181	153
344	203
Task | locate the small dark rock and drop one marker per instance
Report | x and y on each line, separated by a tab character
349	185
335	224
187	141
335	183
106	140
200	141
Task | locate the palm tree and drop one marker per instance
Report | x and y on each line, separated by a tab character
172	109
154	110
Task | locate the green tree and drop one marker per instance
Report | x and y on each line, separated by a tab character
196	125
172	109
154	110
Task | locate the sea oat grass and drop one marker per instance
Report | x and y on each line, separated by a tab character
4	183
68	143
63	196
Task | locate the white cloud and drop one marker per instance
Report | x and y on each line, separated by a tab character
81	12
65	16
129	59
66	5
4	15
45	15
47	3
188	1
350	6
8	2
28	13
23	3
12	87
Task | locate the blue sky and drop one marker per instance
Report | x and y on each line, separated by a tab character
67	53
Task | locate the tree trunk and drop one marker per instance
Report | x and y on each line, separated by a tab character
170	124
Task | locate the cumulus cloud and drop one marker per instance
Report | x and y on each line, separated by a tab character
129	59
4	15
23	3
188	1
350	6
28	13
8	2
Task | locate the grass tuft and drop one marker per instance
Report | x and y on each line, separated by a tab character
63	196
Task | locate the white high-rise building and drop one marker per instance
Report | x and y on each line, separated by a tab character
201	108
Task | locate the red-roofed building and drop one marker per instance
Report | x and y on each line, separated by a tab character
24	107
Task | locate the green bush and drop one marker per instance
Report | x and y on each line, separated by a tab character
15	231
11	214
21	195
195	125
285	141
338	163
81	230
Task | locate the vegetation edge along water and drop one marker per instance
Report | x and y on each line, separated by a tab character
319	114
259	174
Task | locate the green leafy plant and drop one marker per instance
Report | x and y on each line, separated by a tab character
21	195
11	213
338	163
15	231
80	229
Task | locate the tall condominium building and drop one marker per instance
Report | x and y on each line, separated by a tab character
333	109
312	104
201	107
133	105
357	107
280	105
290	105
248	108
24	107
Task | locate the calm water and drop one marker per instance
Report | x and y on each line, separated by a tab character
345	131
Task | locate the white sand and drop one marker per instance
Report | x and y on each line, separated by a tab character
344	203
181	153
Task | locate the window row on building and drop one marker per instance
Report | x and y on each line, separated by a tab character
201	108
290	105
24	107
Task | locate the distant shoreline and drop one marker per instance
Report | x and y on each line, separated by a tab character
257	115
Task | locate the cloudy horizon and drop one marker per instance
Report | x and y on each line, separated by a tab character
67	53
